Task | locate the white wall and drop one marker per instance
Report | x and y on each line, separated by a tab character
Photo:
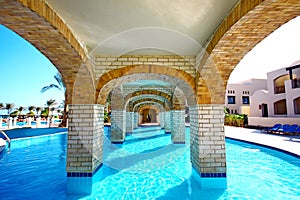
271	121
269	97
250	85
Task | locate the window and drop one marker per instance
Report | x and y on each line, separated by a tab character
245	100
231	99
297	106
280	107
279	84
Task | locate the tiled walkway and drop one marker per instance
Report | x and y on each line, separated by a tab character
285	142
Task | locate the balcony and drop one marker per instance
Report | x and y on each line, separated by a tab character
296	83
279	89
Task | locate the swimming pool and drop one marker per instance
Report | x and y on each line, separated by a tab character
146	166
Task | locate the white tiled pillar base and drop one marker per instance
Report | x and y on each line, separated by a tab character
162	119
208	155
129	122
136	120
168	119
85	142
118	118
178	126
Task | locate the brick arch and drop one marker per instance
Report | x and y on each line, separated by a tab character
245	34
64	51
147	100
117	77
203	94
156	107
130	103
143	104
165	95
146	93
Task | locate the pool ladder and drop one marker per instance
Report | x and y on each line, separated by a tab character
6	138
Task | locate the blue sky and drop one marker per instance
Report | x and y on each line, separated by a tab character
23	72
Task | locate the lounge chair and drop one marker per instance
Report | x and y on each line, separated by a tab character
296	131
290	129
282	129
271	129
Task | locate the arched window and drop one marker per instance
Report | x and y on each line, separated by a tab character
297	106
280	107
279	84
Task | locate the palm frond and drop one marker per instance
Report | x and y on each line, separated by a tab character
59	80
49	87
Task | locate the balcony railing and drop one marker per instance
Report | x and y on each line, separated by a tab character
296	83
279	89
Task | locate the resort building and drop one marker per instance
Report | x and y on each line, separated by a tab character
270	101
282	97
153	59
238	96
280	103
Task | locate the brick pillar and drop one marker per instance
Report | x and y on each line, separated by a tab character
208	154
167	116
136	120
117	134
129	122
178	126
161	119
85	143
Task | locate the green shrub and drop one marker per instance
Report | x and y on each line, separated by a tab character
240	120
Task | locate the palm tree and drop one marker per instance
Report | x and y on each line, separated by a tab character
20	109
31	109
50	103
52	110
60	86
38	110
9	107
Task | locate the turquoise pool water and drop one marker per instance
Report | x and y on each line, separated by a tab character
146	166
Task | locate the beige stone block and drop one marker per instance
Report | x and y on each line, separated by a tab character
122	59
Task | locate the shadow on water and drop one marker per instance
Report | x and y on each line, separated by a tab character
138	139
191	189
130	160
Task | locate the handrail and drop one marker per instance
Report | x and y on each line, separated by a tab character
7	138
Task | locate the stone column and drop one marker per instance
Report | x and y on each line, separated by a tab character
15	121
29	121
129	122
167	116
48	121
136	120
207	140
38	122
117	134
178	126
85	146
10	122
161	119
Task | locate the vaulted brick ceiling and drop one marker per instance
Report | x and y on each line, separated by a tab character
148	27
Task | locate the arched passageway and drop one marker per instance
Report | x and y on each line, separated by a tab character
202	83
